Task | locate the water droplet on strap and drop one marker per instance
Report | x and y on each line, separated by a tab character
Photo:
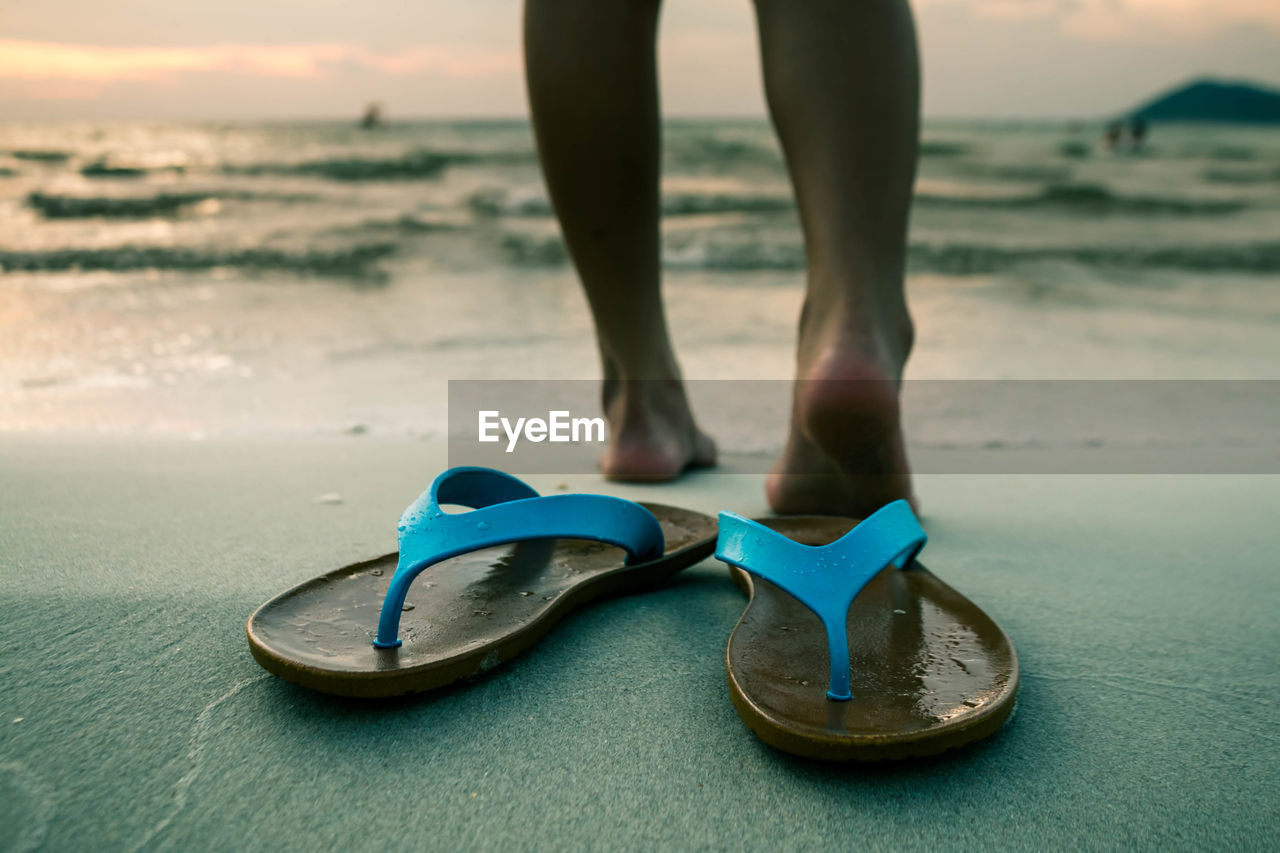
377	573
407	608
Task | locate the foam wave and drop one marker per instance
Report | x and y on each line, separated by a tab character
357	260
735	257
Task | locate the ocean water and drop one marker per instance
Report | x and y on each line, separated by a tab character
204	278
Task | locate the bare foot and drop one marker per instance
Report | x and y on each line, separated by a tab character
652	434
845	454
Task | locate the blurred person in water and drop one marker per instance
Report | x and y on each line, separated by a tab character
842	83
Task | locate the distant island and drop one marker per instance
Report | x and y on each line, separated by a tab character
1214	101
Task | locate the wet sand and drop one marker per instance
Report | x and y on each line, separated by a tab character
132	716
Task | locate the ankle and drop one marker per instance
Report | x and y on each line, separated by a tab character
867	343
657	365
639	384
641	401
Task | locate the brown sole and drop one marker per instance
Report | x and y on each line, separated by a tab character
931	671
462	616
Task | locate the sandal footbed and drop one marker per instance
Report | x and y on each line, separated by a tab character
930	670
462	616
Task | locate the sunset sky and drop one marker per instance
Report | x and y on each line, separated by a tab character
288	58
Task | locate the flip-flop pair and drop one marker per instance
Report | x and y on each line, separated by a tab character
849	648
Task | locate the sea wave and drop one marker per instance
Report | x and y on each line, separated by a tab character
1241	176
41	155
944	148
421	222
726	150
69	206
414	165
1083	199
107	169
1090	199
53	206
967	259
693	204
1157	150
720	153
420	164
727	257
493	202
1075	149
978	259
944	258
358	260
1025	172
1220	152
526	250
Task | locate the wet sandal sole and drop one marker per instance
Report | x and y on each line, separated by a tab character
462	616
931	671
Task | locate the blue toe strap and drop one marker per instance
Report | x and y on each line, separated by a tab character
505	510
825	578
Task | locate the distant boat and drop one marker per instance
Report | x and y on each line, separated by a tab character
1210	100
373	116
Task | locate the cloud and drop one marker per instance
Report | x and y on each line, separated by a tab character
51	61
442	59
1126	19
1130	20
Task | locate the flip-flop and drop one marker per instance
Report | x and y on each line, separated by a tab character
850	650
468	590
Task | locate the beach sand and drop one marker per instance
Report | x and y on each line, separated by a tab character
133	717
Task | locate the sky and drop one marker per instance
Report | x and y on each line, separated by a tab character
252	59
